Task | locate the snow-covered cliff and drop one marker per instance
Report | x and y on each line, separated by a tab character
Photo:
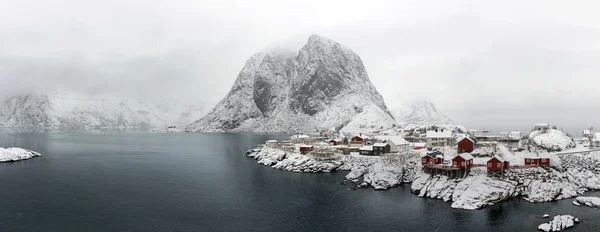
324	85
81	111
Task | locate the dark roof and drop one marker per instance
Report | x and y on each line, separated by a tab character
435	154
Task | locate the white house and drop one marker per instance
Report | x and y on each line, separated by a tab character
397	143
438	137
515	135
596	140
299	138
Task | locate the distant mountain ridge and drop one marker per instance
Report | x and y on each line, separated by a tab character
420	111
79	111
323	85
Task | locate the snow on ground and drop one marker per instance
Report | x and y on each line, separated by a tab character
559	223
589	201
476	190
552	140
15	154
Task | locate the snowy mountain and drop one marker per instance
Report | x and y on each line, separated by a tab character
420	112
323	85
79	111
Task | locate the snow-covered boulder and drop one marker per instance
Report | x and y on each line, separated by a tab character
293	161
552	140
14	154
589	201
559	223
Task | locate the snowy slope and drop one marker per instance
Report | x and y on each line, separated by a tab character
79	111
422	112
323	85
553	140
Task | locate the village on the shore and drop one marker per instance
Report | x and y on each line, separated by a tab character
470	168
447	151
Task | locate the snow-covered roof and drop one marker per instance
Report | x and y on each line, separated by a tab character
418	144
461	138
380	144
435	154
361	136
498	158
300	136
465	156
366	148
337	140
398	140
271	141
303	145
439	134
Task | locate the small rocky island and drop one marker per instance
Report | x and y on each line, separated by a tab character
11	154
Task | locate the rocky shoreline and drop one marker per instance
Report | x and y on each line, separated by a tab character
572	176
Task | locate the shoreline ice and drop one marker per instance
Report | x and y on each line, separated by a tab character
11	154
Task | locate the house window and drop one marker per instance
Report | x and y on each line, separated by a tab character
498	165
424	160
454	163
462	163
489	165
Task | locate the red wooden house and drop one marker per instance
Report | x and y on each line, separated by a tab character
335	142
306	148
497	164
466	145
533	161
435	157
462	161
359	139
544	161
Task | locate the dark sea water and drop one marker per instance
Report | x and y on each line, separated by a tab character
203	182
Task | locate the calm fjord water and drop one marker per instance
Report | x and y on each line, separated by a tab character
203	182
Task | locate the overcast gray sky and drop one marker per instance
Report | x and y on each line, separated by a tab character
496	64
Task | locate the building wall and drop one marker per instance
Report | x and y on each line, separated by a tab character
465	145
437	142
496	165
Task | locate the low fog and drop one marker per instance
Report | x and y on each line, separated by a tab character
495	65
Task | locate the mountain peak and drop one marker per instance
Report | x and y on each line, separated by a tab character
324	85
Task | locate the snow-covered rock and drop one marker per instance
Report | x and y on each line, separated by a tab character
14	154
552	140
589	201
60	110
546	216
559	223
323	85
477	190
375	171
